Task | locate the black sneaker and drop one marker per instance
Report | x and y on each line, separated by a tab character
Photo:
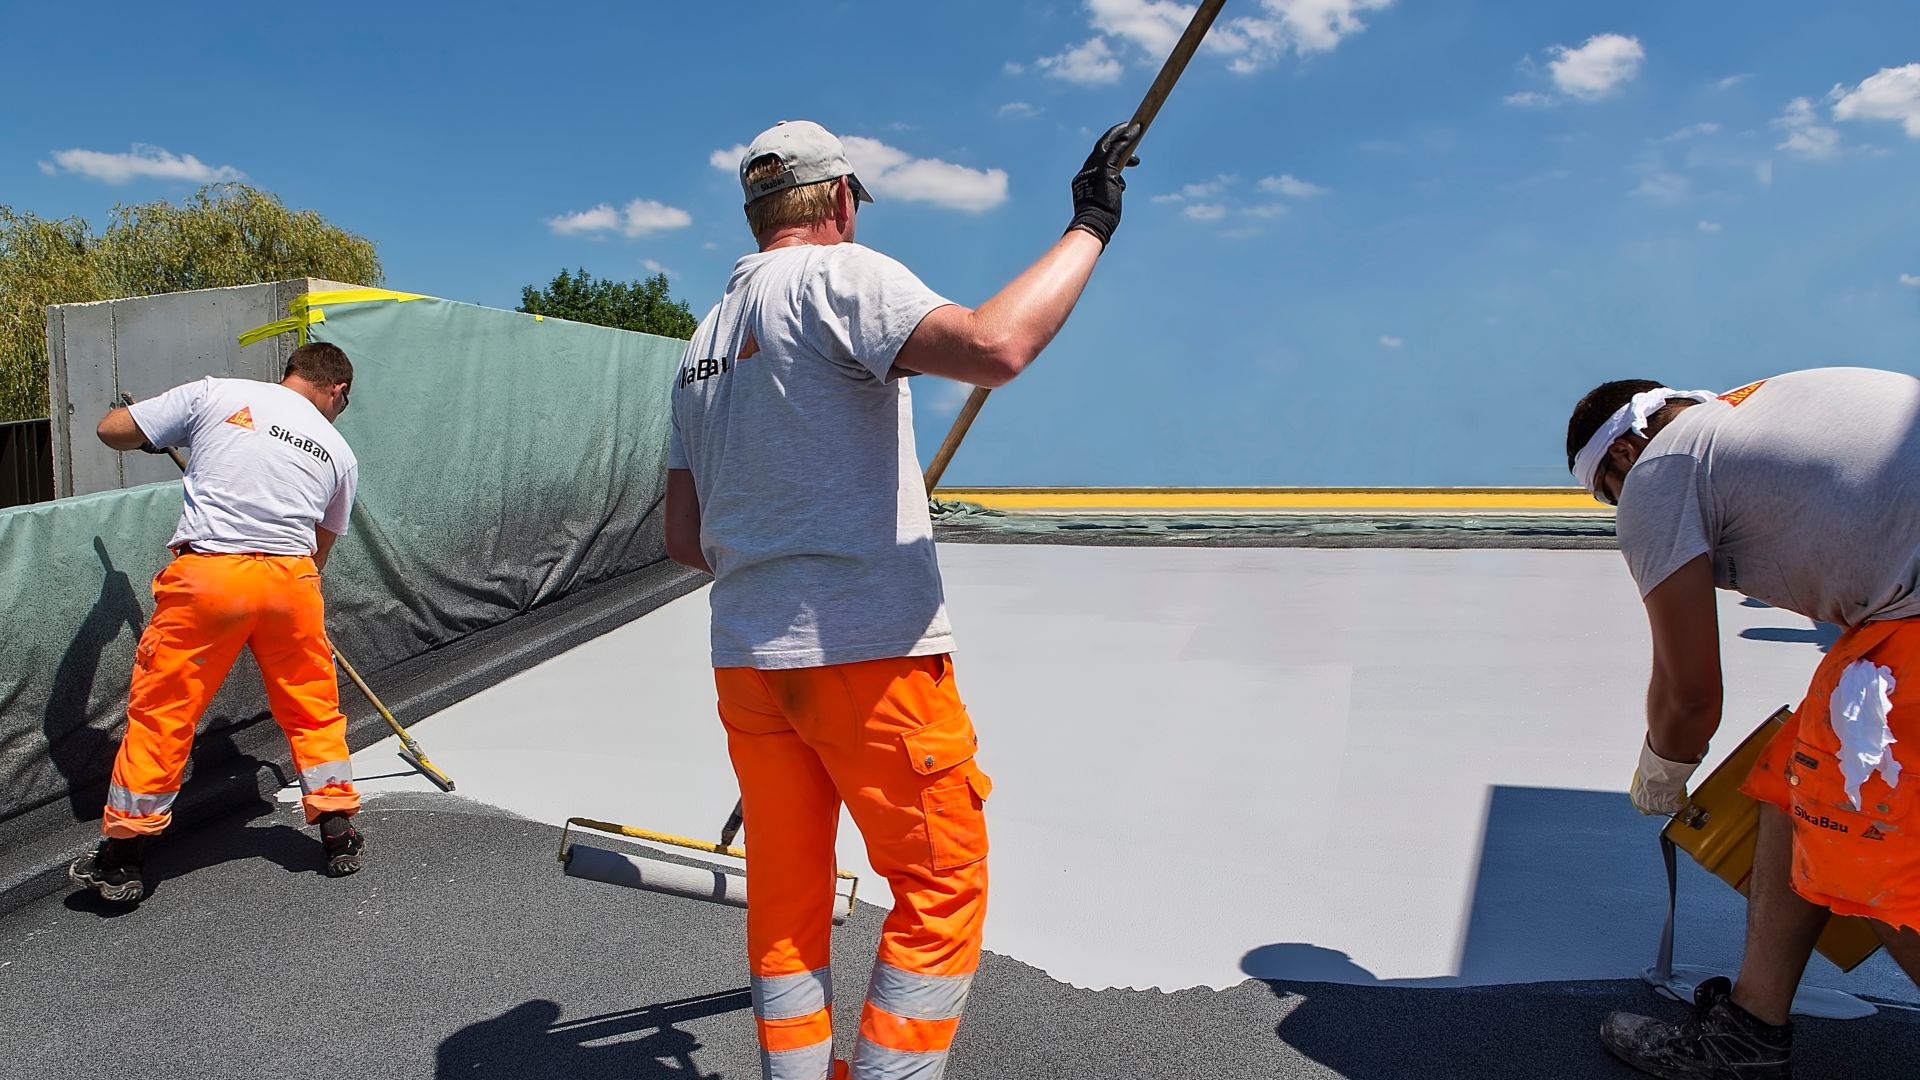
1720	1041
343	843
113	869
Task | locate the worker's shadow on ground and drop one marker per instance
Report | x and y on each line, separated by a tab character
1568	886
530	1039
82	752
1820	633
209	833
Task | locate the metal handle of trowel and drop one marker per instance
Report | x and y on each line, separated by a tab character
410	752
1170	72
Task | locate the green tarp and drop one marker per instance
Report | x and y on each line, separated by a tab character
504	461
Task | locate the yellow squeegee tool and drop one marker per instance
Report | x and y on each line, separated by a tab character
635	871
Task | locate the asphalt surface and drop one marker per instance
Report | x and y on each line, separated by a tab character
462	951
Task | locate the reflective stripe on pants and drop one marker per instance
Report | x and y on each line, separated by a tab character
893	740
206	608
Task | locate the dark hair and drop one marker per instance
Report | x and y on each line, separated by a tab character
321	364
1601	402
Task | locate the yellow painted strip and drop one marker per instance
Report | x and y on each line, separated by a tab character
1197	499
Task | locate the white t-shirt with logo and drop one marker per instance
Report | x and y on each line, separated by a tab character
800	439
1804	488
266	466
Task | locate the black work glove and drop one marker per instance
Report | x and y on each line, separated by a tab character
1098	184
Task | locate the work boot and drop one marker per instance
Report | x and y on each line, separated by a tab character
113	869
343	843
1720	1041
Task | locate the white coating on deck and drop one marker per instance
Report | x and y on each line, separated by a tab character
1349	766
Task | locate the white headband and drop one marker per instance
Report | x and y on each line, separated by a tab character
1631	417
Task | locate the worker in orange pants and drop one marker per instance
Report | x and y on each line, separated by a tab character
206	608
268	490
792	478
892	738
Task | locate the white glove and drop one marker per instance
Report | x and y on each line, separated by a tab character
1659	785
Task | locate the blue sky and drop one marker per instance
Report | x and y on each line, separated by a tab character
1372	241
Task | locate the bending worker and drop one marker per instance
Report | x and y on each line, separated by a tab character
793	480
1799	491
268	491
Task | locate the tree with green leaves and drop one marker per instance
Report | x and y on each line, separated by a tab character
224	234
643	305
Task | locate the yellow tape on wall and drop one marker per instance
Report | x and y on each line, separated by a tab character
309	308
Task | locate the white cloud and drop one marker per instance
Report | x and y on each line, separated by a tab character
1709	226
638	218
1269	211
1205	189
653	267
141	162
1806	136
1154	25
1892	94
1019	110
1664	187
1388	341
1531	99
892	173
895	174
1014	67
1090	63
1910	279
1732	81
1292	186
1205	212
1148	30
1597	67
1691	131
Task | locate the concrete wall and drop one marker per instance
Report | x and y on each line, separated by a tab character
144	346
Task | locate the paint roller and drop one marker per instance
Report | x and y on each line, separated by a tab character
635	870
1156	96
410	751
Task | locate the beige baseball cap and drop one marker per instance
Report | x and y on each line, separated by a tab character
811	153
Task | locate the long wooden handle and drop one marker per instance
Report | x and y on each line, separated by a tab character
1170	72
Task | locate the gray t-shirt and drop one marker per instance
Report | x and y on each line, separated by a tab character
812	511
1804	487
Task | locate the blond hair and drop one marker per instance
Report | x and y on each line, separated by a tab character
803	205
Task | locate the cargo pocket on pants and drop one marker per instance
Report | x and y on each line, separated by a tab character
954	808
957	820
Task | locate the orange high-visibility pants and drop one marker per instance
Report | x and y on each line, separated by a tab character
1854	848
205	608
891	739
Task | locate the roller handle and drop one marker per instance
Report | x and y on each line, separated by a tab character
1149	108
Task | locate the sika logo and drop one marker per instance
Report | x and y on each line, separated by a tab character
1821	822
243	418
1735	397
694	371
1873	833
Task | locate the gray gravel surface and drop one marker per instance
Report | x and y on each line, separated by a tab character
461	951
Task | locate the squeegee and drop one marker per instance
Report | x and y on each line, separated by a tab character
410	751
1170	71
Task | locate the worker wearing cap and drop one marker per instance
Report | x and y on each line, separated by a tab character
793	479
1802	491
268	490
